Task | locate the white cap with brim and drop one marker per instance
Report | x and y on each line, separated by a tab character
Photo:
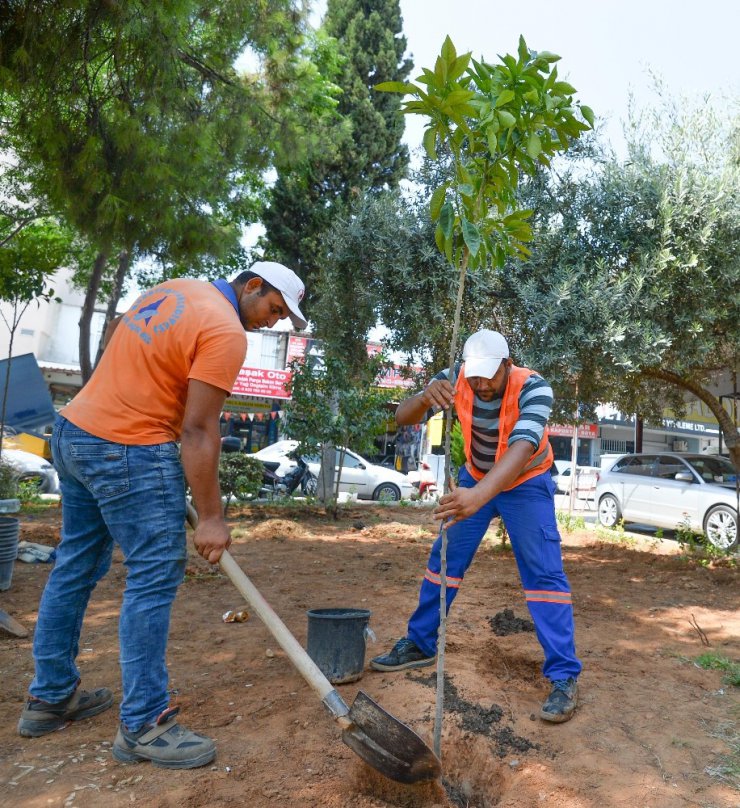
483	353
288	284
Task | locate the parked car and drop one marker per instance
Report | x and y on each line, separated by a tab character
559	467
670	490
366	479
32	468
586	478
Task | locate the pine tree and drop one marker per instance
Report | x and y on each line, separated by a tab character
364	154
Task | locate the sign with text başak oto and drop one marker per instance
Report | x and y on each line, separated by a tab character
264	382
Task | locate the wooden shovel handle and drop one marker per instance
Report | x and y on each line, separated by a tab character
308	669
295	651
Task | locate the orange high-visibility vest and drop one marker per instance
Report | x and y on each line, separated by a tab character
543	457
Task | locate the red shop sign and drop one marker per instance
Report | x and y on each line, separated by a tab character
584	431
262	382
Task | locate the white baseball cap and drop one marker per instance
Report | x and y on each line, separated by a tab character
288	284
483	353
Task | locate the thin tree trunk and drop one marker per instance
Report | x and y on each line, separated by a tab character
12	330
442	634
325	483
124	262
88	308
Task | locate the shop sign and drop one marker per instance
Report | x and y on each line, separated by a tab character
243	404
393	377
263	382
584	431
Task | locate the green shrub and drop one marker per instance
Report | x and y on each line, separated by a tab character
8	481
714	662
569	522
239	476
457	446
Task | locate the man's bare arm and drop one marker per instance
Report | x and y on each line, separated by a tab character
464	502
438	394
201	449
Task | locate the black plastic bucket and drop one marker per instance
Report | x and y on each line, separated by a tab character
336	642
9	529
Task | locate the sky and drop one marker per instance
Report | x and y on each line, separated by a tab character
607	46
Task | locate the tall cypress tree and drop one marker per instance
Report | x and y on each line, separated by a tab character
364	154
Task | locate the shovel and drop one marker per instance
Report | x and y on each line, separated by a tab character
11	625
381	740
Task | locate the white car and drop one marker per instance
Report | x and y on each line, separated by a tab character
359	476
31	467
586	478
672	490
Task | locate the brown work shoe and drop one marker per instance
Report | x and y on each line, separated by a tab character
41	717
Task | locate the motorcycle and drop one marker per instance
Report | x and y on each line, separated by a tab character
275	485
426	482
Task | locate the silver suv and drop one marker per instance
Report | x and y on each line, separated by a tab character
671	490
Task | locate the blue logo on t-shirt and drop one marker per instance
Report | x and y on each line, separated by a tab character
147	310
146	313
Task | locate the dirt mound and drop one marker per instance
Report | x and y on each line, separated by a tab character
504	623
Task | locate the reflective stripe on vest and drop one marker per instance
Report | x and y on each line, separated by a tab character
509	413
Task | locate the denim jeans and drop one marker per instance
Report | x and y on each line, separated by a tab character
132	496
528	512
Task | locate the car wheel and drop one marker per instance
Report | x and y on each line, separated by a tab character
720	527
387	492
609	512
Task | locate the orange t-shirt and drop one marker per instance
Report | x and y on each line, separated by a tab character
177	331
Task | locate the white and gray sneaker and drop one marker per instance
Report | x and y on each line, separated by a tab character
165	743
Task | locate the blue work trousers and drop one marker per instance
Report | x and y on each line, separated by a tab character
133	496
528	512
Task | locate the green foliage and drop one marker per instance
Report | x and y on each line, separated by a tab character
133	124
382	265
29	257
362	45
497	121
712	661
333	404
457	446
28	493
239	476
632	290
615	535
8	481
32	249
569	522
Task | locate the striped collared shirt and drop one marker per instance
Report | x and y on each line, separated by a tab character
535	404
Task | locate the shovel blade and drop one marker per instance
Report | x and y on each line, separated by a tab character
11	625
387	745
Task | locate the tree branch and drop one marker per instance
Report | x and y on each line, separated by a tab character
729	430
23	223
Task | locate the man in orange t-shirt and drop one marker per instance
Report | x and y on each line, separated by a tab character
164	376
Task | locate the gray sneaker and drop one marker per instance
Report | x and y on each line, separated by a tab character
164	743
41	717
562	701
404	654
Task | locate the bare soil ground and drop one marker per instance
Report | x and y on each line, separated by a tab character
653	730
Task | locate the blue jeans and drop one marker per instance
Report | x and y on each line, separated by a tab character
528	512
133	496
